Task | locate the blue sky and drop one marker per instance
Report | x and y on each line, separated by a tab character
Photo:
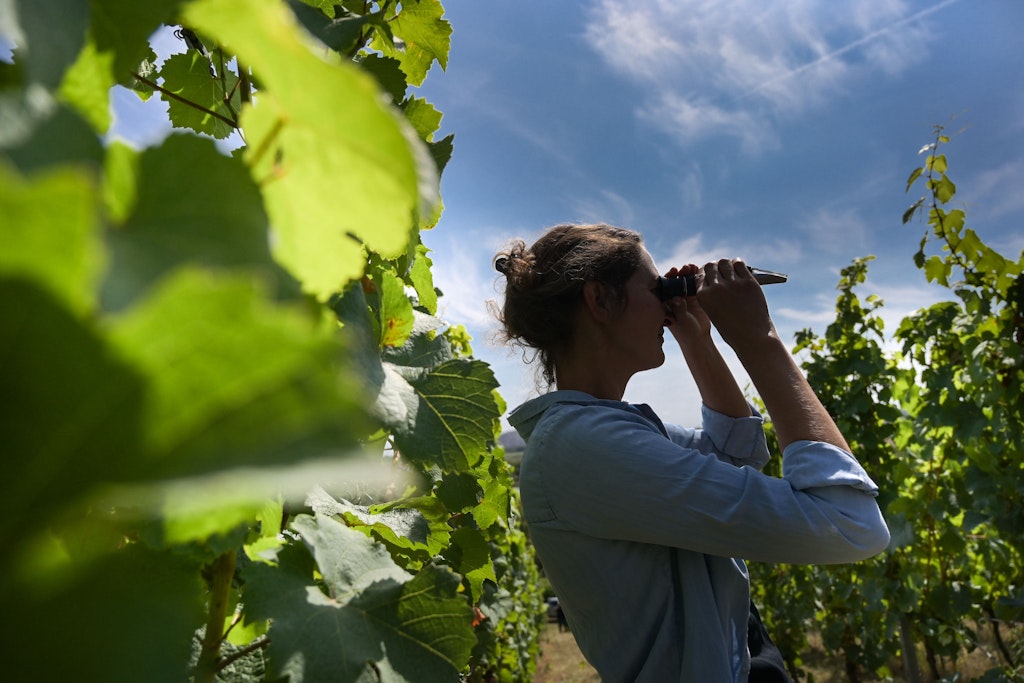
782	132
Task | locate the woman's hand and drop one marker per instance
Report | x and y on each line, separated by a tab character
733	300
691	327
689	322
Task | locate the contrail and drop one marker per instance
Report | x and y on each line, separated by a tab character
855	44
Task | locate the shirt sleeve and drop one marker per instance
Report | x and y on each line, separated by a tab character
739	441
611	474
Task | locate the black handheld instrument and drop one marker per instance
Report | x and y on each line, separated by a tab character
686	285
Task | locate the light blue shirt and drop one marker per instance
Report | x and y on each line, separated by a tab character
640	534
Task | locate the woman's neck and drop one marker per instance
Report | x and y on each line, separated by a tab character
590	374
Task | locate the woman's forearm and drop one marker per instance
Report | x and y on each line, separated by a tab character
715	382
795	410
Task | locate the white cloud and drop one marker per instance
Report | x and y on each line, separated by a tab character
462	271
995	192
689	119
606	207
772	253
836	231
736	67
692	187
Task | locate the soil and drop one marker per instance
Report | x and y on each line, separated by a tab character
560	659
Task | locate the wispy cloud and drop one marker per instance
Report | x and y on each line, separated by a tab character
736	68
836	231
771	252
606	206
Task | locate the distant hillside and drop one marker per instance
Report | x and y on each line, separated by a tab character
512	442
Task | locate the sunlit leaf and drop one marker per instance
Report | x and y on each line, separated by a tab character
86	87
212	103
426	38
470	556
914	176
449	414
338	167
50	233
235	379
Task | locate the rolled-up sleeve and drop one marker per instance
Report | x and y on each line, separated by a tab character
739	441
610	474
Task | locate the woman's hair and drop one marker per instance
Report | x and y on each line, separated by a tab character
544	283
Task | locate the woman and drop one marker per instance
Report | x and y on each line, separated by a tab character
640	526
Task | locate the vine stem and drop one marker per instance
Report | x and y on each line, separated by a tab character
223	572
251	647
184	100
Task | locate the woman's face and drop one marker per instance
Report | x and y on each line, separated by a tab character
639	329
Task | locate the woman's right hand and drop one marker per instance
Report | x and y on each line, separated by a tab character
734	302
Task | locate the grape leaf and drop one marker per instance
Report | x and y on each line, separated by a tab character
188	76
402	526
86	87
375	621
339	168
234	378
469	555
51	36
425	346
55	136
388	73
340	34
426	35
396	319
50	233
447	414
127	616
71	408
423	116
120	171
121	27
495	504
423	280
214	216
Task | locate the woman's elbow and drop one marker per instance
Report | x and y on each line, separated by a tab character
868	538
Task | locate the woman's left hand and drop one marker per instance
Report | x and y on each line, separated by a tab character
689	321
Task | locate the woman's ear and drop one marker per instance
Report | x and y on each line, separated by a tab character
598	300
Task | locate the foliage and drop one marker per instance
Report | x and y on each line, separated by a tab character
240	444
935	413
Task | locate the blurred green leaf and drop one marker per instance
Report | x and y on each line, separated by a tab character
235	379
71	417
57	136
51	234
191	205
86	87
121	28
128	616
52	34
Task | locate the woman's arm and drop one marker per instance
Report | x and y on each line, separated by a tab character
740	312
692	330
